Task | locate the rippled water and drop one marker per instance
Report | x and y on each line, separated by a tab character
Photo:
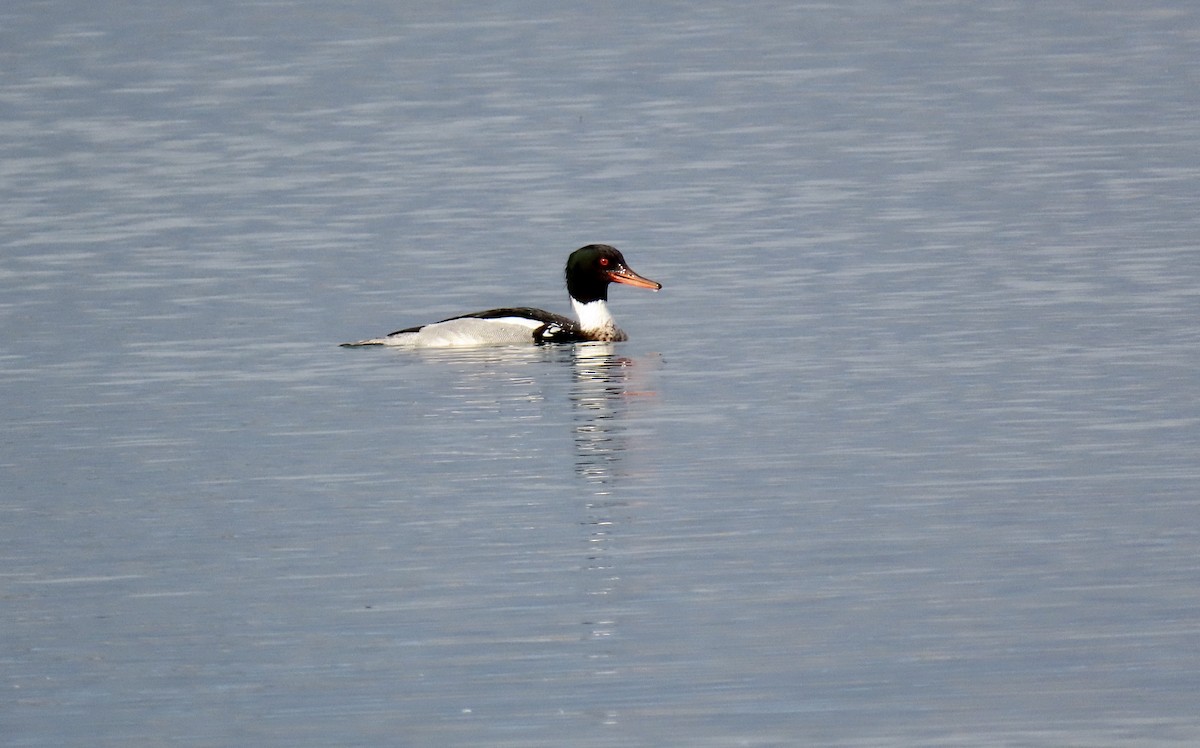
904	453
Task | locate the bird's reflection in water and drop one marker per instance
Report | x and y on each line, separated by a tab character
605	391
597	394
600	396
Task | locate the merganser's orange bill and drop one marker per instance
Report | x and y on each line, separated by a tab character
624	275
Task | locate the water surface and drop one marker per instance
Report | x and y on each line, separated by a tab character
904	453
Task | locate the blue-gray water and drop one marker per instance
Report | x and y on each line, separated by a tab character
905	453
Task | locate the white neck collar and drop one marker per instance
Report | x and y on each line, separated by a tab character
594	315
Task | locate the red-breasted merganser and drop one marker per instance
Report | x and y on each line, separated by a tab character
589	271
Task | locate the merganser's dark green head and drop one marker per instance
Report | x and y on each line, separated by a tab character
590	269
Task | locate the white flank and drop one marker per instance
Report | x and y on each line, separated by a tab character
468	332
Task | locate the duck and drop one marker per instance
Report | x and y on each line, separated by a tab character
589	272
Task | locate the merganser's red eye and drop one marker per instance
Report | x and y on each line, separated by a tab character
603	262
